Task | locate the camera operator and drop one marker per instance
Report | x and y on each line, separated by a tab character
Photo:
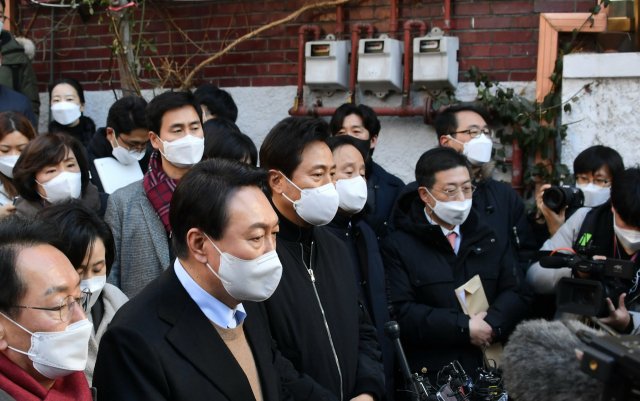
611	230
593	169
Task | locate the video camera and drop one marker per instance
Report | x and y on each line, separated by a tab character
587	296
557	197
452	384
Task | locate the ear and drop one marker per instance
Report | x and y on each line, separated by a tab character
3	338
196	242
155	141
111	135
424	195
82	107
276	181
444	140
374	141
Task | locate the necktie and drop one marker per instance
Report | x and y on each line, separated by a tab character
451	237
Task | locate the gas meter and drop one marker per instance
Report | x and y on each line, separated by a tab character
380	65
327	64
435	64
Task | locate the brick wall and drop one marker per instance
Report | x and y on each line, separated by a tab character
497	36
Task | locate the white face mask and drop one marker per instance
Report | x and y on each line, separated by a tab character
452	212
59	353
64	185
93	287
126	156
65	113
353	194
316	206
629	238
183	152
248	280
594	195
477	150
7	163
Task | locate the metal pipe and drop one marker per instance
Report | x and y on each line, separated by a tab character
393	26
516	168
448	24
53	31
301	34
339	26
355	29
407	50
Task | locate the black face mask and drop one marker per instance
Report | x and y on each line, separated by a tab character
364	146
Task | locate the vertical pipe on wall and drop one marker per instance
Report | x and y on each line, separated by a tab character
355	29
301	34
339	26
51	53
407	53
393	26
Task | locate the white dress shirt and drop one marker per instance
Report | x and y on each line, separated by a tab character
212	308
446	232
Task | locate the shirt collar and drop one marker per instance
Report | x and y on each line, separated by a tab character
212	308
445	231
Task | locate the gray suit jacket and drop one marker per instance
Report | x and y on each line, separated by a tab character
141	240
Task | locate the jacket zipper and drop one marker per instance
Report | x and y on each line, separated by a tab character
515	232
326	324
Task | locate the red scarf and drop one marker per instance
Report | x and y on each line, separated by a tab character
159	188
19	385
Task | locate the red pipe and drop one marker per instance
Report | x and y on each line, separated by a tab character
339	22
516	168
393	26
304	29
355	29
380	111
448	23
407	50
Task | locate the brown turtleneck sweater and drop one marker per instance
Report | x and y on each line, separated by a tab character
239	347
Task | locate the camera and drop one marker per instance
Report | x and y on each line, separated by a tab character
557	197
587	296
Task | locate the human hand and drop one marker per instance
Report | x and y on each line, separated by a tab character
7	210
363	397
480	332
554	221
618	318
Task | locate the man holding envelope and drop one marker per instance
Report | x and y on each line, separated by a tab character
454	289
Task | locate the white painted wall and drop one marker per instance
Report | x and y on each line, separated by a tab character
401	140
610	114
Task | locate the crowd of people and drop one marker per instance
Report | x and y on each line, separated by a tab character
164	256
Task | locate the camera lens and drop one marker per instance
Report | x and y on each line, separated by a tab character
556	198
587	297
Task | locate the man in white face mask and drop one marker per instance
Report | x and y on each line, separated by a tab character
44	333
611	230
439	244
315	314
139	213
200	320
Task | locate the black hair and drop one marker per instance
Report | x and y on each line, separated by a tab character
202	197
47	150
16	234
595	157
339	141
625	195
223	139
447	123
4	6
168	101
70	81
367	115
282	148
438	159
219	102
78	227
127	114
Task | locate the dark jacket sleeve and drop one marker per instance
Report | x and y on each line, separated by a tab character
513	298
370	371
27	110
421	324
525	239
127	368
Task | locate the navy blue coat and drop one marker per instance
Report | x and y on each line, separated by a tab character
14	101
383	191
369	270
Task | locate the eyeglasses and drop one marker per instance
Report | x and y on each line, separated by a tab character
584	181
467	191
66	308
475	132
133	148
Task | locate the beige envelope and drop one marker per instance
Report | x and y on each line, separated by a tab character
473	301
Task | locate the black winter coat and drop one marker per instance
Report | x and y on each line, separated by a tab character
297	322
83	132
99	148
503	210
383	191
363	247
423	272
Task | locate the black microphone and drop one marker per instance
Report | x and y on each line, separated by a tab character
553	262
392	330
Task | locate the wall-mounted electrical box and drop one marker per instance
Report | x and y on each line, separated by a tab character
380	65
435	64
327	64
